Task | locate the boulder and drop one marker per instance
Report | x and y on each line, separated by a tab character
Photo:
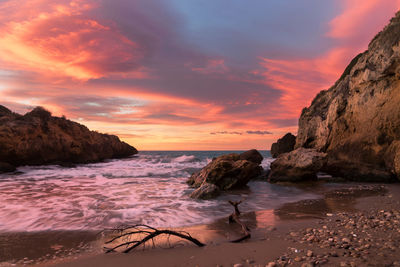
38	138
6	167
252	155
283	145
225	173
296	166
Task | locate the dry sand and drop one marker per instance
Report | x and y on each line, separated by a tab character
357	226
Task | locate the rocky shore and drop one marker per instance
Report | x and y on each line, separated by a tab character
369	237
38	138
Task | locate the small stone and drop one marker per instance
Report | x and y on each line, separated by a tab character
249	261
310	253
238	265
343	264
307	264
334	254
271	264
298	259
346	240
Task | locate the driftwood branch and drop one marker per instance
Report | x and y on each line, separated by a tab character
136	235
234	217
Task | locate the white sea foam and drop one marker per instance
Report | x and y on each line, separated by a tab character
148	189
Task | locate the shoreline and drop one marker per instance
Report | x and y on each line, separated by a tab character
273	232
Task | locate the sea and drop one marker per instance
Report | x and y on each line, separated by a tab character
147	188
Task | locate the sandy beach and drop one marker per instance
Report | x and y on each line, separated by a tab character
356	225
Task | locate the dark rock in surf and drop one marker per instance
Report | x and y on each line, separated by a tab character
38	138
225	173
283	145
252	155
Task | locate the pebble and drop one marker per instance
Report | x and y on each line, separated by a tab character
238	265
298	259
271	264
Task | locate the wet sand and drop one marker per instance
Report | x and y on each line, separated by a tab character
305	233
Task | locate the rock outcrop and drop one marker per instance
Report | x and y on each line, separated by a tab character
299	165
357	121
38	138
226	172
283	145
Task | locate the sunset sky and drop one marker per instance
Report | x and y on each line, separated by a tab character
181	74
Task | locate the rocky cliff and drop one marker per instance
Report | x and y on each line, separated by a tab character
357	121
39	138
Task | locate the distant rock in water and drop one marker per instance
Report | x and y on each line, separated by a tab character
226	172
357	121
38	138
283	145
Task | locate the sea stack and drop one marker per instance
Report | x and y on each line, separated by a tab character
357	121
38	138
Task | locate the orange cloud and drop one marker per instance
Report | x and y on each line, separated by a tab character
60	39
300	80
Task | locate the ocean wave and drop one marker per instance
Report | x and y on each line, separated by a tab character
149	188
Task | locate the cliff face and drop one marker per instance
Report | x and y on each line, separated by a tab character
357	121
39	138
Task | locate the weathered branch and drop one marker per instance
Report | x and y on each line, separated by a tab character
144	233
234	217
149	234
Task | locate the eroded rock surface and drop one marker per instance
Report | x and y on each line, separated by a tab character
38	138
226	172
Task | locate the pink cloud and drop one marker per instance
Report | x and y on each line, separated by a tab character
60	39
357	15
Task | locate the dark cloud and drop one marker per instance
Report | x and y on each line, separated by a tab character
226	132
241	133
258	132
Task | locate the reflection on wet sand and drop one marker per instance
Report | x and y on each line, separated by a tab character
338	200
